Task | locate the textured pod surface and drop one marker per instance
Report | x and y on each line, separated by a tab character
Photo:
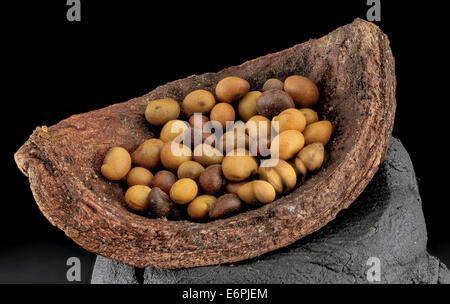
354	69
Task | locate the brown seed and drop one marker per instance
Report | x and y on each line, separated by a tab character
183	191
199	137
139	176
235	139
287	144
160	205
300	169
273	102
273	84
173	155
173	130
164	180
239	165
303	91
160	111
223	113
247	105
198	101
199	208
312	156
310	115
225	206
290	119
197	121
147	154
136	197
116	164
233	187
318	132
190	169
257	192
281	176
231	89
207	155
211	180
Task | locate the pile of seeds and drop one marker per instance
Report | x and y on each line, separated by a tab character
239	149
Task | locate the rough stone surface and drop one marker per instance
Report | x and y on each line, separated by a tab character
385	222
354	69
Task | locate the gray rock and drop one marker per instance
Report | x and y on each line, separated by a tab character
107	271
384	225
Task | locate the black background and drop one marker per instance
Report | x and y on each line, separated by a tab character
120	50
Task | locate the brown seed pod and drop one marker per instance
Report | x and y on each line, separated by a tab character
273	102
